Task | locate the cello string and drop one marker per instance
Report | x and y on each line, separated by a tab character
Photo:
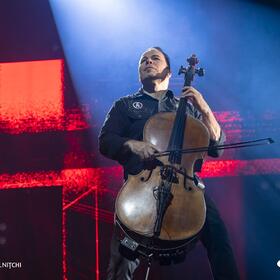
176	132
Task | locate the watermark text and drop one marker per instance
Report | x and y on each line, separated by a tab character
10	265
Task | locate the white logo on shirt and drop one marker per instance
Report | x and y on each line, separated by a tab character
137	105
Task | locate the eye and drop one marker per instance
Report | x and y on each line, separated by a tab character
155	57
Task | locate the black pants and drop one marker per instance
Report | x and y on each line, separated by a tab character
214	237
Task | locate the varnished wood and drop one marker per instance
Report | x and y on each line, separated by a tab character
136	204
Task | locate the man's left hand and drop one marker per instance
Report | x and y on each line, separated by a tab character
196	99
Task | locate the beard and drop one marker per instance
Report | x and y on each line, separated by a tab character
148	77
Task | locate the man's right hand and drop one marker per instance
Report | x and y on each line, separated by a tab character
143	149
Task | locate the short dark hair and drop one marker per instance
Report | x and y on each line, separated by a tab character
167	59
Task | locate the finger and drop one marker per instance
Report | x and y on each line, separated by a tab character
150	146
192	96
187	88
151	151
146	154
154	148
190	89
189	97
187	94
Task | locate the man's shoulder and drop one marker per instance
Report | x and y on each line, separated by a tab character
127	99
132	96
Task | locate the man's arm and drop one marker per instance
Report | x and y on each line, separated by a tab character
111	137
112	140
211	123
217	136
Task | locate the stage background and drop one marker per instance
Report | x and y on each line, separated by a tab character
59	75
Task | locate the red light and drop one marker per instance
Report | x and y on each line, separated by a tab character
31	96
108	179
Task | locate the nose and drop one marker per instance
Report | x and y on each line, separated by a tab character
149	61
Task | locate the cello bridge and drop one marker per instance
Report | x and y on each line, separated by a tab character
169	173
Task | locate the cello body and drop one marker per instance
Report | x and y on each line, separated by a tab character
136	203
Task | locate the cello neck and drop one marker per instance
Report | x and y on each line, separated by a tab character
177	136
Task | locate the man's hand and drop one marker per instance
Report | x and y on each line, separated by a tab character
196	99
143	149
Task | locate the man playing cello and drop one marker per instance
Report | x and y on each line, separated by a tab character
121	139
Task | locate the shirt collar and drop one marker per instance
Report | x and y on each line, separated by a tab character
168	94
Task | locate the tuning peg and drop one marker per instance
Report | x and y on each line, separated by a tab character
182	70
200	72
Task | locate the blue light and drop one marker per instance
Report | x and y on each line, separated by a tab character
237	44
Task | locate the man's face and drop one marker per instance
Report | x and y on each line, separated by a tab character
152	65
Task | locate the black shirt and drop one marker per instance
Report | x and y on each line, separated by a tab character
126	120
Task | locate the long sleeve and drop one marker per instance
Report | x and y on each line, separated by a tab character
215	152
112	134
